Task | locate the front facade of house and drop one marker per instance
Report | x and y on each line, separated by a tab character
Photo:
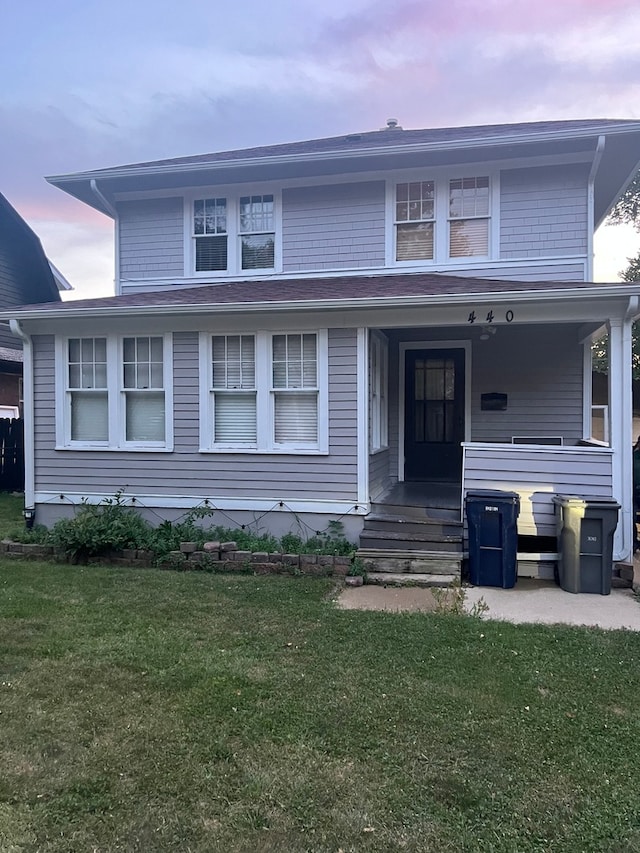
298	329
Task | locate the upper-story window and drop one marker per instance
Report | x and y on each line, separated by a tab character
415	220
234	235
468	217
441	220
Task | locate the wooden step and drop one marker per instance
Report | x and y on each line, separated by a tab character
414	579
413	525
385	540
412	512
411	562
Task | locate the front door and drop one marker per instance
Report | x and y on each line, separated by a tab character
434	414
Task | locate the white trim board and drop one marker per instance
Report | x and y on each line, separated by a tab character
276	504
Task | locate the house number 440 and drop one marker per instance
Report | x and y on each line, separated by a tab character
490	317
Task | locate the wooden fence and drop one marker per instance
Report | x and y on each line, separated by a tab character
11	455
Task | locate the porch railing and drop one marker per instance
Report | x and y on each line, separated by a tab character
537	473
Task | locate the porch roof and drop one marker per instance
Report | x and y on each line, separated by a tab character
339	292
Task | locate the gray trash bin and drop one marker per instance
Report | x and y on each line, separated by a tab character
585	528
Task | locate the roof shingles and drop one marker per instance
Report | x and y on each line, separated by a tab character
349	288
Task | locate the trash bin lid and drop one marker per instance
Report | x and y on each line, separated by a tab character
494	494
586	500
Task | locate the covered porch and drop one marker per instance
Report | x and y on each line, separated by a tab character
498	405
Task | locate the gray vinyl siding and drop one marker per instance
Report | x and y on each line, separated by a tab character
537	475
543	211
549	272
333	227
185	471
151	238
379	477
540	370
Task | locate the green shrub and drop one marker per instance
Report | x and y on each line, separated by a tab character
97	529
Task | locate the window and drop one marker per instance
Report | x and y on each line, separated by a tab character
378	409
233	371
87	389
415	221
114	393
143	389
264	392
210	231
295	389
468	217
441	220
234	235
257	237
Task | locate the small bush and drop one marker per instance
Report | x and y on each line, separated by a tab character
97	529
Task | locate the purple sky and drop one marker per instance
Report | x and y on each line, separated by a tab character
89	84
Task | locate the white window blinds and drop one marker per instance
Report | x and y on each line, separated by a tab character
87	389
234	389
295	388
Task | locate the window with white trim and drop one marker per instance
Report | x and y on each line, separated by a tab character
264	392
294	363
114	392
441	220
87	393
378	386
415	214
233	387
234	235
143	389
468	217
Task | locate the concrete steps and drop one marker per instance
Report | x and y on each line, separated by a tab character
413	579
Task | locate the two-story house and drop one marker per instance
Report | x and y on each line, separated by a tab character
359	328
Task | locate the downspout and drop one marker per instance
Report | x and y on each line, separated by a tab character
29	435
597	157
116	236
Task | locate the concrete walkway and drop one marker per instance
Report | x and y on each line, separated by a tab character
544	602
530	601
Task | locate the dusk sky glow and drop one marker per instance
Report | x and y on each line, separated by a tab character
91	84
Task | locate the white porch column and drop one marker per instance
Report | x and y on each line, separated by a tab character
621	432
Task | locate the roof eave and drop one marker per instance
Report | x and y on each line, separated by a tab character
300	305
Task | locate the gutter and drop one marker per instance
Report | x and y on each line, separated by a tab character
29	426
279	159
591	203
337	304
108	207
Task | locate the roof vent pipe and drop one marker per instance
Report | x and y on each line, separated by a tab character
392	124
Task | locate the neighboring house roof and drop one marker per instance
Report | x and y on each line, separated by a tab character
25	272
60	280
379	150
320	293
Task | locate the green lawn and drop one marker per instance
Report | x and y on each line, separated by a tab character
158	711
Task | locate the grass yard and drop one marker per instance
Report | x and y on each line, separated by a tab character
156	711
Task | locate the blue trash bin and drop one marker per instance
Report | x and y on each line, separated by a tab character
493	537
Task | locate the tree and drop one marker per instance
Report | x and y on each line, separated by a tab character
625	211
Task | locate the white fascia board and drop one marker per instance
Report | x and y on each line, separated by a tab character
278	159
446	299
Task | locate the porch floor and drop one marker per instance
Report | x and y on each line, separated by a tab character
424	494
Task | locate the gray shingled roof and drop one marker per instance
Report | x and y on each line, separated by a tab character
390	138
349	288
